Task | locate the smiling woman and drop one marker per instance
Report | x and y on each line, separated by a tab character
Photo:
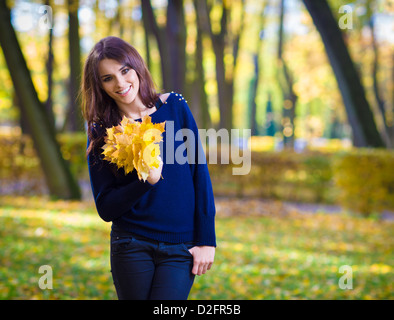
111	67
163	230
121	83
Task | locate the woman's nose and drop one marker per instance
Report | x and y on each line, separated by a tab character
119	82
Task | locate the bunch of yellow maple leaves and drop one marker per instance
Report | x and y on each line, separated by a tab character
134	145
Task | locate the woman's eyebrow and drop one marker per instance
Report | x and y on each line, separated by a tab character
106	75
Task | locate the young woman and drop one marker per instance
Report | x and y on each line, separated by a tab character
163	229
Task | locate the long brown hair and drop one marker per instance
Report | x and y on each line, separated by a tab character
98	108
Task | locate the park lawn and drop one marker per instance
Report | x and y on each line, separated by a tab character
274	256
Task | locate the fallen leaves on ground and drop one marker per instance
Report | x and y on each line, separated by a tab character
265	251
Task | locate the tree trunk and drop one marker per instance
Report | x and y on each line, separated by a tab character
49	68
176	43
286	83
254	83
58	176
74	120
147	32
160	35
200	99
390	122
224	75
375	65
224	91
119	19
360	116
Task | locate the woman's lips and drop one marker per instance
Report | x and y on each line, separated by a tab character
124	92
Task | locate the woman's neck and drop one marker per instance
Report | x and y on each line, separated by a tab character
137	115
135	110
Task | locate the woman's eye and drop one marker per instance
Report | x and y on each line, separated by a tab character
125	70
107	79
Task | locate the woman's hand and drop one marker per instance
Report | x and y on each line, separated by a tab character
155	173
203	257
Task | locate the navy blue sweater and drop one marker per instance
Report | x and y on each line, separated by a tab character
178	208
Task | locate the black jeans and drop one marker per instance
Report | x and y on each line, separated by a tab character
145	269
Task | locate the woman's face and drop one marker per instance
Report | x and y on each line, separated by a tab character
120	82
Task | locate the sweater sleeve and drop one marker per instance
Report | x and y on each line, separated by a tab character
204	199
112	198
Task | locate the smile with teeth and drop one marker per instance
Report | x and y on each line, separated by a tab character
124	92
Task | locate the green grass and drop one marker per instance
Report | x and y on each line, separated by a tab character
270	256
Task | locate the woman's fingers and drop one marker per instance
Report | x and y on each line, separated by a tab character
202	259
